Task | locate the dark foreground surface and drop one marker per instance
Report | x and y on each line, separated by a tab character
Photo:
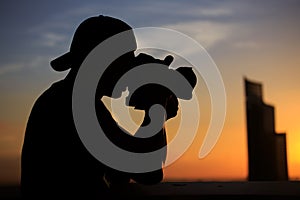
196	190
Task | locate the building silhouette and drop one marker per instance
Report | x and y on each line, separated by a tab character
267	158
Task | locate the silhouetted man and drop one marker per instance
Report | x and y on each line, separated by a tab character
54	161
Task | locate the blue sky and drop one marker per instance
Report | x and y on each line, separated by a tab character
35	31
259	39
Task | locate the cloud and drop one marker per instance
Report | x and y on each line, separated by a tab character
9	68
246	45
207	33
215	12
19	66
188	9
52	39
51	35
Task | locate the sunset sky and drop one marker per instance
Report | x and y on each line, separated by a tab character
259	40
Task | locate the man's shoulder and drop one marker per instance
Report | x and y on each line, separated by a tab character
56	91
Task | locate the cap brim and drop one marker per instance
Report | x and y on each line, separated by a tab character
62	63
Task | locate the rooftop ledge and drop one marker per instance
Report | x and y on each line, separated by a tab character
284	190
214	190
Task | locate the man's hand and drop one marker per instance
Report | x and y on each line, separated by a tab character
143	58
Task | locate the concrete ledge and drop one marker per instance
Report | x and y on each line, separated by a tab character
196	190
214	190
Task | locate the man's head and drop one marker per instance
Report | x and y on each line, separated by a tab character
88	35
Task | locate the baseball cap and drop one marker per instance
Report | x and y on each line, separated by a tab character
87	36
